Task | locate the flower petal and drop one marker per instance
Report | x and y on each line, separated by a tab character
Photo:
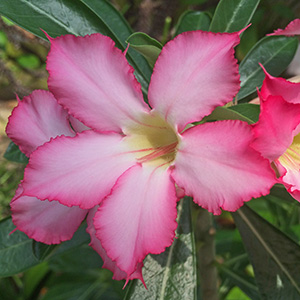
290	91
107	262
44	221
93	80
138	217
293	28
36	119
194	73
275	130
77	125
216	166
79	170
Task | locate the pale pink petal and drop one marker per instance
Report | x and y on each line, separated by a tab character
77	171
138	217
275	130
290	91
216	166
36	119
77	125
194	73
44	221
107	262
290	179
293	28
93	80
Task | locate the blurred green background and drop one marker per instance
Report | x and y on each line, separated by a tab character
22	69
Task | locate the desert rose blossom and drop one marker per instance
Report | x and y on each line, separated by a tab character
35	120
277	131
125	169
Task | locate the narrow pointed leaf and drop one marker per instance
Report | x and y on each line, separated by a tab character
78	17
233	15
193	20
274	52
172	274
245	112
145	45
239	279
274	256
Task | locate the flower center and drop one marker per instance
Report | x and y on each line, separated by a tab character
153	140
291	157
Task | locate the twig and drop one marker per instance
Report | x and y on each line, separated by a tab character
206	255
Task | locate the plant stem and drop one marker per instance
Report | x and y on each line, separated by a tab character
205	233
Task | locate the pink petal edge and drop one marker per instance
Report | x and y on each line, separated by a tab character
138	217
194	73
36	119
44	221
216	166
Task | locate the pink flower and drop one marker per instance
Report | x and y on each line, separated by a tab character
277	135
126	168
293	28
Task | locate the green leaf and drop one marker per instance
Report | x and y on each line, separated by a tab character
274	256
147	46
18	252
78	17
15	250
171	274
246	284
233	15
13	153
41	251
245	112
274	52
193	20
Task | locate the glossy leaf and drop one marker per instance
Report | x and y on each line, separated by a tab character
172	274
193	20
145	45
245	112
274	256
274	52
15	250
78	17
19	253
13	153
233	15
248	110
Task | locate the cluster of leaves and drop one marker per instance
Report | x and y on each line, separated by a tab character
71	270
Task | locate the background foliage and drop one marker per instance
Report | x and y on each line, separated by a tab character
255	250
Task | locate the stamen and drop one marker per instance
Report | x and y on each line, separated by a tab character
158	152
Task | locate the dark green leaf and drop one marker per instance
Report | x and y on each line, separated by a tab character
248	110
245	283
244	112
79	238
193	20
13	153
78	17
147	46
15	250
172	274
233	15
80	259
274	256
274	53
18	253
41	251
